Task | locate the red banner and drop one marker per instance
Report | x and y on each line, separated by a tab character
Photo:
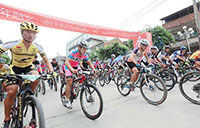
19	15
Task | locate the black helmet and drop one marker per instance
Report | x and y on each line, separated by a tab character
83	44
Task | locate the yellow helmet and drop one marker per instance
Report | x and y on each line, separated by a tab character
29	26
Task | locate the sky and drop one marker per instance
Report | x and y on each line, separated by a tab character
129	15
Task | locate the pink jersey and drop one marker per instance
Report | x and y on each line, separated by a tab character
76	58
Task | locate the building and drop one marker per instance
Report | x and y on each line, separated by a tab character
175	22
93	42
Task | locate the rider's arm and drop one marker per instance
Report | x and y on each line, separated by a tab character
49	66
90	65
68	64
81	65
132	57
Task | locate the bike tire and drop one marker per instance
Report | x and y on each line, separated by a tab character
107	79
152	89
90	89
43	88
173	73
181	83
101	80
166	77
36	109
121	85
55	83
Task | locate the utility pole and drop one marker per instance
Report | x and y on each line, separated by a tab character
197	19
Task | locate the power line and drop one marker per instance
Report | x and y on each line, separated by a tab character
140	11
143	13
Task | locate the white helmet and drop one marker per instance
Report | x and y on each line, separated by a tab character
144	42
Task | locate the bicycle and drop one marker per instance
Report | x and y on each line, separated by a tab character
189	87
27	110
149	85
52	83
87	95
2	92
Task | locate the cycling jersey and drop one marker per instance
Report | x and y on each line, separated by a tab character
96	65
163	53
55	66
150	55
75	58
21	56
112	62
43	66
139	54
195	55
175	54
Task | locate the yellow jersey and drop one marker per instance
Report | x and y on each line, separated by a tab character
195	55
21	56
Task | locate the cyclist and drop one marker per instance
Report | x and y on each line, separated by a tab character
164	57
97	64
84	65
72	61
23	52
111	65
134	59
151	57
178	56
55	65
195	59
37	64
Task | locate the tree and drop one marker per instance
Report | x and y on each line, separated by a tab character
130	44
161	36
105	52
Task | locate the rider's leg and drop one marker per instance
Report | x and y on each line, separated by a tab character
68	87
35	83
135	75
8	102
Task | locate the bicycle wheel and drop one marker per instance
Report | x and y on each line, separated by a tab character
33	115
50	81
91	102
101	80
122	86
173	74
54	83
107	79
150	91
168	79
43	87
116	75
91	81
62	94
190	87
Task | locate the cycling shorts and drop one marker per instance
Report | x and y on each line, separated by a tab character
68	72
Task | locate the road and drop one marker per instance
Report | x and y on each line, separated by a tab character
121	112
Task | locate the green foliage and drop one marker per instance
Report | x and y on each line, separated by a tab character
6	57
161	36
130	44
105	52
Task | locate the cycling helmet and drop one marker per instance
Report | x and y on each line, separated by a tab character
189	53
29	26
154	47
167	47
183	48
83	44
113	55
144	42
2	60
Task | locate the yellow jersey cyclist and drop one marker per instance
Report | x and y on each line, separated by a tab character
72	62
23	52
195	59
